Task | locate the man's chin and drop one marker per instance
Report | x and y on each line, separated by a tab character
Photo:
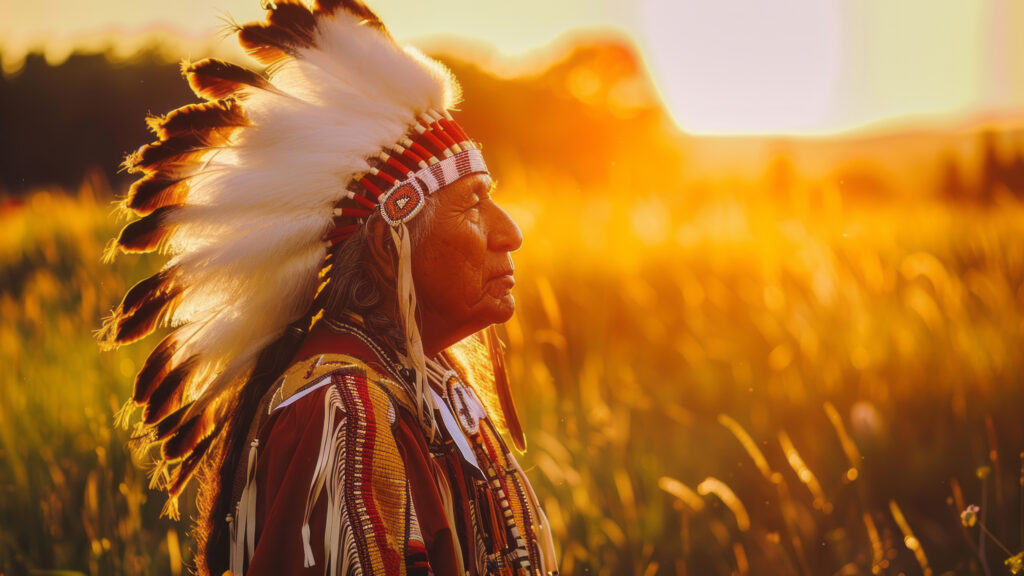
500	310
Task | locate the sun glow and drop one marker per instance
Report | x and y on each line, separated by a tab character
825	66
728	66
720	67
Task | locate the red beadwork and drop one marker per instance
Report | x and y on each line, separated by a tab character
454	129
402	203
356	212
400	166
435	137
444	136
423	152
393	168
415	158
369	185
441	146
364	200
341	233
384	176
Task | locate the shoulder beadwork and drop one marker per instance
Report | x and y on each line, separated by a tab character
359	474
320	370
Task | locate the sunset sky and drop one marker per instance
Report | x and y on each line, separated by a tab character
743	67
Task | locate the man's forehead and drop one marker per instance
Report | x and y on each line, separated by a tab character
472	184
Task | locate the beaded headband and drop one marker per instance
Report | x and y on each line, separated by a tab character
434	154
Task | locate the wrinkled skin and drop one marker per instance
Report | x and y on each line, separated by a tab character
461	263
462	266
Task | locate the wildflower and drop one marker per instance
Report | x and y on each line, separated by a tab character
969	517
1015	563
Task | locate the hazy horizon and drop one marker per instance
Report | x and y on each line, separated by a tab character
798	67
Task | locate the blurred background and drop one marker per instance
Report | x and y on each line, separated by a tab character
771	299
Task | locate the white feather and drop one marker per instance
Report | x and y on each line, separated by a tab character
248	241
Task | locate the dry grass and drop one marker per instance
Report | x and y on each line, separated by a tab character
709	386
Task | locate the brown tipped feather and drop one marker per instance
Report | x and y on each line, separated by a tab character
166	397
354	7
264	42
297	20
146	233
158	152
215	79
153	191
170	154
198	118
181	440
145	318
154	369
135	296
326	7
170	423
141	310
183	473
501	385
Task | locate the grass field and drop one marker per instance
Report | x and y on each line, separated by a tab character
709	386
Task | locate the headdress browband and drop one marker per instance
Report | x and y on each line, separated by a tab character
435	153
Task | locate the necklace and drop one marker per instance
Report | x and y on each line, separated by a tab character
439	370
458	407
387	357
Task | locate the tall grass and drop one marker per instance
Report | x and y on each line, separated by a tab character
70	496
711	384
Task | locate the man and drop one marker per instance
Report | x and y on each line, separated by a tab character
334	252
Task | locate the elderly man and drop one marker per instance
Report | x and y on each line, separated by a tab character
335	251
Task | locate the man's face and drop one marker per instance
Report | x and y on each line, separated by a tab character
462	266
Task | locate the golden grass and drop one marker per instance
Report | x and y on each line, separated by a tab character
805	368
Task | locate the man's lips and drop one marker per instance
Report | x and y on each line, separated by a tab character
501	284
504	280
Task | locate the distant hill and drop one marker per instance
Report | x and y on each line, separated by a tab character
585	116
590	115
577	117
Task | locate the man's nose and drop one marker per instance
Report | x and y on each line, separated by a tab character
502	233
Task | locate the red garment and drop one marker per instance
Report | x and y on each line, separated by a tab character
342	441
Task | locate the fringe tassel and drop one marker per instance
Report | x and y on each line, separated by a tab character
319	477
337	528
413	341
445	491
232	534
243	534
337	531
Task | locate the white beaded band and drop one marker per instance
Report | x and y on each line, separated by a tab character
405	199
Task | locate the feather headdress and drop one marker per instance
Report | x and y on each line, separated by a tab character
246	191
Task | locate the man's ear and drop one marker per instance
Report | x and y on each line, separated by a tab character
382	249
